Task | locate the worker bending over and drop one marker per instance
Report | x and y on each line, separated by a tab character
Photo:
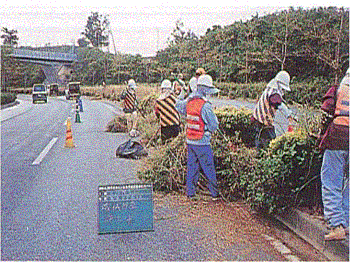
264	111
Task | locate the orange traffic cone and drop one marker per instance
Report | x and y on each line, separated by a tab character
69	135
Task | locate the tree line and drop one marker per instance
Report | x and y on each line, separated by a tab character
308	43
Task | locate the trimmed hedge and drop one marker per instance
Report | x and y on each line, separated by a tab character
7	98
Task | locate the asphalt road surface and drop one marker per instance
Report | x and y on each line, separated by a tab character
49	198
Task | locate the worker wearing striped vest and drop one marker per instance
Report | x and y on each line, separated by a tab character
165	110
264	111
201	123
130	106
335	165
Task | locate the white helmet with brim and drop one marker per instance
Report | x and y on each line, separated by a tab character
281	80
207	81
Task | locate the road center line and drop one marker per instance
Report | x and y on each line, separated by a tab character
40	158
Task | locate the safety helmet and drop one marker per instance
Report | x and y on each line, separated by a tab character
207	81
166	84
193	84
131	83
200	71
281	81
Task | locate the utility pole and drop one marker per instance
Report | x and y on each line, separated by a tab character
115	56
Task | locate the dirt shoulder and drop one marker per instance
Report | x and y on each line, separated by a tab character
232	224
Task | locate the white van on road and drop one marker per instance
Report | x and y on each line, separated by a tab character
39	93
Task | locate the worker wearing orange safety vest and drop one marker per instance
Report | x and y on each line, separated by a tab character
166	112
201	122
130	105
335	166
264	111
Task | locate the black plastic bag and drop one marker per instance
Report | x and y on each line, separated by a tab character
131	149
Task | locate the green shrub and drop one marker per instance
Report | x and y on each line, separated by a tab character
285	175
166	166
238	90
7	98
233	161
308	92
233	120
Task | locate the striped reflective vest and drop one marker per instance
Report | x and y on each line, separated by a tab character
341	114
129	100
263	111
168	115
194	120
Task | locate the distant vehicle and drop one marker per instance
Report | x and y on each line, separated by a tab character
53	89
73	90
39	93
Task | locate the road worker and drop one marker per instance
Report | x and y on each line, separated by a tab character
335	166
165	110
201	122
130	106
192	84
264	111
178	84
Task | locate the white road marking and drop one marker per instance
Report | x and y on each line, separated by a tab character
40	158
285	251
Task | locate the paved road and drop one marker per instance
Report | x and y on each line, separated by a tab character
49	210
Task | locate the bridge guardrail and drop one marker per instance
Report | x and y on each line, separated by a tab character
45	55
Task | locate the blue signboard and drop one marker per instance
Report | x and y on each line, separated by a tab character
125	208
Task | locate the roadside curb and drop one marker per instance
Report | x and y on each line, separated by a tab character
312	231
16	102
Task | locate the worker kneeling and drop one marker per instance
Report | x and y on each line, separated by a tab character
201	123
166	112
130	106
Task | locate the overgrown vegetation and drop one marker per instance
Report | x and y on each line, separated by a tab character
285	175
7	98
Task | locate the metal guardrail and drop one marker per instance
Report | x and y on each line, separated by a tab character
44	55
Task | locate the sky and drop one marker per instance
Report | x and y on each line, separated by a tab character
138	27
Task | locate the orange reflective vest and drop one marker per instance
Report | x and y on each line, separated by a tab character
194	120
341	114
167	113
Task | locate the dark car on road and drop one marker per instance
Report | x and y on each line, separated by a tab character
73	90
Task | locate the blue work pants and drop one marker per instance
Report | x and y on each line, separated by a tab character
200	156
335	187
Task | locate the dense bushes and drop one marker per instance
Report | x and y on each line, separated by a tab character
304	92
7	98
285	174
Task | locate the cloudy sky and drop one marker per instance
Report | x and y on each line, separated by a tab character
138	26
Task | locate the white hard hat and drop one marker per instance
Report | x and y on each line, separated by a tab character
166	84
132	83
193	84
281	80
207	81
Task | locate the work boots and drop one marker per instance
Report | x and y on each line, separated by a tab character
336	233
